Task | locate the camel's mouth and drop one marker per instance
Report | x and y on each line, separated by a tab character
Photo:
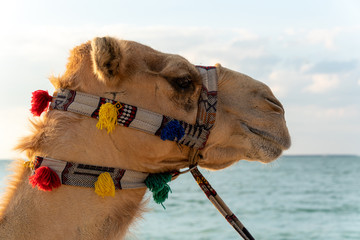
282	141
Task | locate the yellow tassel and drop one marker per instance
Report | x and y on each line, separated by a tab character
29	164
104	186
107	117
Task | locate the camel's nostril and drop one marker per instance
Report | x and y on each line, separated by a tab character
275	104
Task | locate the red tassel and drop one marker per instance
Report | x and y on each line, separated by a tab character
45	179
40	102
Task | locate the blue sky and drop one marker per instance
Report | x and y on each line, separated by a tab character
306	51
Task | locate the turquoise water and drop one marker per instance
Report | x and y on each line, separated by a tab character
312	197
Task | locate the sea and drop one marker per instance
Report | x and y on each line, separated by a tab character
293	198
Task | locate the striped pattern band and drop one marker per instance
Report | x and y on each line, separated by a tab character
82	175
141	119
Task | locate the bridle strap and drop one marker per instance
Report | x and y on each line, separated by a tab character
194	135
214	198
193	157
84	175
220	205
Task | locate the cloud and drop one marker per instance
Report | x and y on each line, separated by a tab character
37	43
280	91
320	42
344	112
322	83
278	80
286	81
312	113
305	67
325	37
323	129
333	66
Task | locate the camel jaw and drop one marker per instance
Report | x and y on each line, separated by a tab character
283	143
269	143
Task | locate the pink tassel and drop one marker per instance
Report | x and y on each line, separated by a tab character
45	179
39	102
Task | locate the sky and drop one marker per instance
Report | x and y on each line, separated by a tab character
307	51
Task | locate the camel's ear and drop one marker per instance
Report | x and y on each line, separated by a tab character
106	57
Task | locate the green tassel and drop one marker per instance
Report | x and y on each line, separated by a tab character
157	184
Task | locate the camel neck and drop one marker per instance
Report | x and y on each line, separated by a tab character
82	214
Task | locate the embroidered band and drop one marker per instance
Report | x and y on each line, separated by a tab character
83	175
194	136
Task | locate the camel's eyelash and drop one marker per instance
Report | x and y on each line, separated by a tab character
184	83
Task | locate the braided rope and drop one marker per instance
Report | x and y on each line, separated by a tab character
220	205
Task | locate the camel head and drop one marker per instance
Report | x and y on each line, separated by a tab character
249	124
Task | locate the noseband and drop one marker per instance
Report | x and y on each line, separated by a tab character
110	113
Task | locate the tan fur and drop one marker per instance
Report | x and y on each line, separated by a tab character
249	125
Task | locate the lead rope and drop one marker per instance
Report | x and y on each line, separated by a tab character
215	199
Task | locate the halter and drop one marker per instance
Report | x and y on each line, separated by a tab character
105	179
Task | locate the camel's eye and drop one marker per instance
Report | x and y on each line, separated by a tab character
183	82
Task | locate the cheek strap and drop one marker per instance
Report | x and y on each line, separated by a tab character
110	113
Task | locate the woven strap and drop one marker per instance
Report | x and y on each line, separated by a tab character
131	116
83	175
220	204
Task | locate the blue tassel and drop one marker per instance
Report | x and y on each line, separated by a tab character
172	130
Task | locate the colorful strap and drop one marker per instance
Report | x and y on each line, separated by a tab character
82	175
195	136
220	204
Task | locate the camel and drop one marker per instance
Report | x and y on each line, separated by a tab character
249	125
